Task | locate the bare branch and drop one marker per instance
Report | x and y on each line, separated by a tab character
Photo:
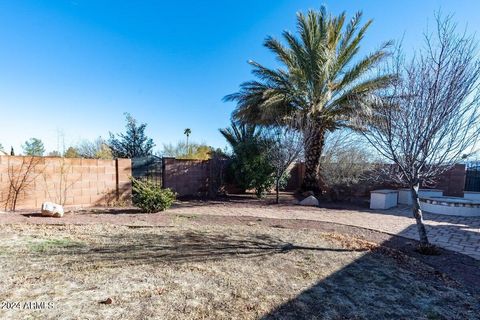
429	119
20	177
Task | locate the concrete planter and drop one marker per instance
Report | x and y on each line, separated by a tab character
472	195
405	197
383	199
451	206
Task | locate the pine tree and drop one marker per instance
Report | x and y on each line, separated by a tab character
33	147
133	143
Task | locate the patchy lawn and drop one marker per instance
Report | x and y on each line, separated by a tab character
195	271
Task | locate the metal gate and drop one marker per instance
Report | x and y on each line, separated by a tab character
148	169
472	177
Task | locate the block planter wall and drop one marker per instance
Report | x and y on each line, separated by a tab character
383	199
405	195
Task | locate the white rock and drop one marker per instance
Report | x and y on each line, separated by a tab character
309	201
50	209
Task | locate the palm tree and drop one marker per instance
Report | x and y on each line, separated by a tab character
249	164
319	87
241	133
187	132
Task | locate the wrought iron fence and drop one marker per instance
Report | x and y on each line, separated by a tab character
472	177
148	169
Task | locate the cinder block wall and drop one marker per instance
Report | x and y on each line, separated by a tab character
192	178
68	181
452	182
186	177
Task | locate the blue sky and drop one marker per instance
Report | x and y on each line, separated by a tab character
76	66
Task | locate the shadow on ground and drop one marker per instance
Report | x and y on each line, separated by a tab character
180	247
372	287
456	233
461	234
378	285
365	290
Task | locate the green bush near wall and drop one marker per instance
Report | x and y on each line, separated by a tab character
150	197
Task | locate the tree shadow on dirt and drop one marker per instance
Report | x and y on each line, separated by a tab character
377	285
114	211
385	285
180	247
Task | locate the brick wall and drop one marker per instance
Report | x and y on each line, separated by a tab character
296	177
451	182
68	181
186	177
196	178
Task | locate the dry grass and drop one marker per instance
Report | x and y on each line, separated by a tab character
193	271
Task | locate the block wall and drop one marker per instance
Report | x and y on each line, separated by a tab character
452	182
186	177
67	181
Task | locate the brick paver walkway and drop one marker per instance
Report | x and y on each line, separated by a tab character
461	234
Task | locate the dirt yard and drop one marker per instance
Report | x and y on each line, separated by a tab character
191	270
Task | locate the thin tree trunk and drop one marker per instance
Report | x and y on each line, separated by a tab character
14	202
313	151
417	214
277	189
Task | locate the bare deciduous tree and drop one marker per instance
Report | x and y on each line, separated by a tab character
429	119
97	149
346	161
20	179
63	182
285	145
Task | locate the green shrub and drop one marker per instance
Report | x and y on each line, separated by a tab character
251	168
149	197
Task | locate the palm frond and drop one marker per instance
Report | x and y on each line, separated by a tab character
319	78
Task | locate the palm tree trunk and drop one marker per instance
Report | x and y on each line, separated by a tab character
313	150
417	214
